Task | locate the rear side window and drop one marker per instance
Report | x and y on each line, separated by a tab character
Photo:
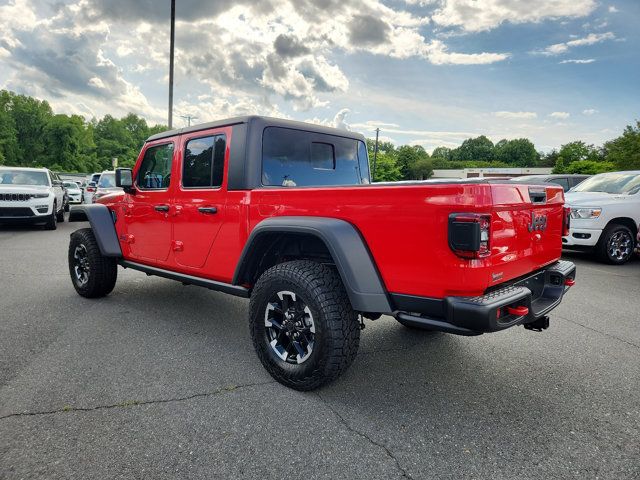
295	158
203	164
563	182
155	170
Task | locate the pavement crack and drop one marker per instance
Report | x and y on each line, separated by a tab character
599	331
136	403
352	429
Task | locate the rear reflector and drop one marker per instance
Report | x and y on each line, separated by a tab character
569	282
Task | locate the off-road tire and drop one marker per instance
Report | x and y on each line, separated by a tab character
602	248
337	331
102	271
52	220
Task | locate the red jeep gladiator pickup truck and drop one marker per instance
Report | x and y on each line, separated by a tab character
284	213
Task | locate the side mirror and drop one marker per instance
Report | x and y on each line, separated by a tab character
124	179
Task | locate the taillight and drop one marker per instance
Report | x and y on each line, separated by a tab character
469	234
91	189
566	221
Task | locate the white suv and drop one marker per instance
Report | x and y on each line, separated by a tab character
605	212
31	195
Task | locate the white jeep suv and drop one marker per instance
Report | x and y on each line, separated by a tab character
605	213
31	195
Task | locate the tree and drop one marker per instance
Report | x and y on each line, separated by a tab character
9	148
387	169
624	151
30	117
518	153
68	145
422	169
475	149
589	167
575	151
548	159
408	157
441	153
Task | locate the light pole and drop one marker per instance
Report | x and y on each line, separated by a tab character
375	156
188	118
171	48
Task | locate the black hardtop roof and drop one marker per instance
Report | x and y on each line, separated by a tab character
263	121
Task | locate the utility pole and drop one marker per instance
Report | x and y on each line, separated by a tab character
188	118
171	48
375	155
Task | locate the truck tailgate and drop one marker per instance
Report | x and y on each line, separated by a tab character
526	229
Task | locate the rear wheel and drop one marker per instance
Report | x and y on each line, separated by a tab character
616	245
302	325
92	274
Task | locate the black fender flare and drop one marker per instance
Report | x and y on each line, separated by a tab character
348	249
102	224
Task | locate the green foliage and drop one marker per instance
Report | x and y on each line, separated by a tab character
624	151
576	151
516	153
474	149
386	168
441	154
589	167
31	135
548	159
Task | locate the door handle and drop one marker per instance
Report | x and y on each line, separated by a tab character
208	210
161	208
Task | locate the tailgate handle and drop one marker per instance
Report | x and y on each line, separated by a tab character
538	196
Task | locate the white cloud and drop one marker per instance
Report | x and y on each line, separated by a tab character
438	54
590	39
561	115
589	111
579	60
474	16
613	9
513	115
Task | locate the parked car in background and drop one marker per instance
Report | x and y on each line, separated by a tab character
565	181
605	213
74	194
31	195
94	177
106	185
89	192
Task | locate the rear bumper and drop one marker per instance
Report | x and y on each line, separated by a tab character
539	293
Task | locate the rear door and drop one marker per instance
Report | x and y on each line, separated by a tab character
200	195
147	212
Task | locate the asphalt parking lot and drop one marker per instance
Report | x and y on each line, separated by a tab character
161	381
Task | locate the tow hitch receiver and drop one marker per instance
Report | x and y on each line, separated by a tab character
538	325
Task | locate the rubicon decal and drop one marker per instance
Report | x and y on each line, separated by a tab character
538	222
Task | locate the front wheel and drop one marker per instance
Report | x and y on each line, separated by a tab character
302	325
92	274
616	245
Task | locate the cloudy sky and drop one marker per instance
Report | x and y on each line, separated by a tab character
428	72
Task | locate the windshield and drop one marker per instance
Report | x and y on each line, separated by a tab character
71	185
619	183
107	180
527	178
23	177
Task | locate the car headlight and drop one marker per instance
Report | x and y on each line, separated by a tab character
588	212
40	195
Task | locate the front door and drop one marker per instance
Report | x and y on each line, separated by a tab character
148	211
199	197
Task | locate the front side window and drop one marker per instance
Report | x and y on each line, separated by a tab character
296	158
155	169
203	164
107	180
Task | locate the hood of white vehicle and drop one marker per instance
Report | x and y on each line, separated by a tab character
23	188
597	199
